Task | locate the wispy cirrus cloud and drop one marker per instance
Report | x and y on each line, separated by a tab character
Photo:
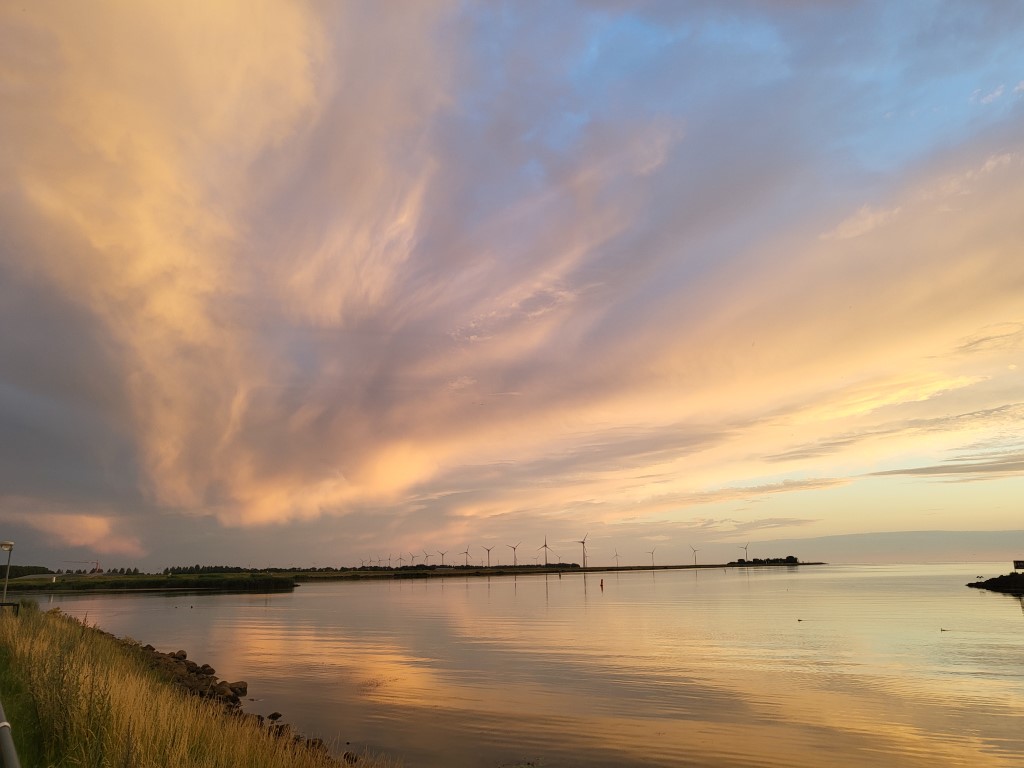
550	265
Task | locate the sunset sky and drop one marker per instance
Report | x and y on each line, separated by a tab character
295	283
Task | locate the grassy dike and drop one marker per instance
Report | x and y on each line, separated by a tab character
79	697
213	582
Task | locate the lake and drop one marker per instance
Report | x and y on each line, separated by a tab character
807	666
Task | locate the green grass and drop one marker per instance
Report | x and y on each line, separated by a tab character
77	697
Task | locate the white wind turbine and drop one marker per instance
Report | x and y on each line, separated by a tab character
489	555
746	554
515	560
651	553
426	557
583	541
695	551
616	557
545	548
412	558
466	553
442	554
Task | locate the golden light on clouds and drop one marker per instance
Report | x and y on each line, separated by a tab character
412	270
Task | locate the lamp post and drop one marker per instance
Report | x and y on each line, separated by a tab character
7	546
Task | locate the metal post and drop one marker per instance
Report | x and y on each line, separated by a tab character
8	755
9	546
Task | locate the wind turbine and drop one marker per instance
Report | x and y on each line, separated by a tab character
426	557
695	551
583	541
412	558
442	554
651	553
466	553
746	555
400	561
616	557
489	555
515	560
545	548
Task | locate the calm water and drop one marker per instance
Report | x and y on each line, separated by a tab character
843	666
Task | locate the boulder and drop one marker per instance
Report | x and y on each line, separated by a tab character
241	688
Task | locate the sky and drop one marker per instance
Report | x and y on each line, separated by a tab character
314	283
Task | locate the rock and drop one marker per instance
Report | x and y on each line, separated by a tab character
241	688
181	655
274	716
206	669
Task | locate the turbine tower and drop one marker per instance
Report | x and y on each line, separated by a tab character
426	557
545	548
466	553
412	558
442	554
583	541
489	555
515	560
695	551
651	553
616	557
745	547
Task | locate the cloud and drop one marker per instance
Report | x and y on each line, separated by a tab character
1002	336
863	221
1008	415
987	98
98	530
451	267
969	468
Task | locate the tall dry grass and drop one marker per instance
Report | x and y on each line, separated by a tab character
77	697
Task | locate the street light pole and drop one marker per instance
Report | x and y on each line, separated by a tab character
7	546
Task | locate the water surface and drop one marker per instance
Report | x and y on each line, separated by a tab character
843	666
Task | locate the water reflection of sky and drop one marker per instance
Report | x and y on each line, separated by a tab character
841	666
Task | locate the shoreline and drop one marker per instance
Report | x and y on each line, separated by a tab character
78	694
287	581
1007	584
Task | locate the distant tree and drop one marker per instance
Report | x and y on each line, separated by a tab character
25	570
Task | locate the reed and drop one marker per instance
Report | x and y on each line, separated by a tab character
79	697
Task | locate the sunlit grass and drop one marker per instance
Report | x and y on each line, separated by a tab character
78	697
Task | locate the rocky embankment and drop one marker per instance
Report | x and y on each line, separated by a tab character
1010	583
201	680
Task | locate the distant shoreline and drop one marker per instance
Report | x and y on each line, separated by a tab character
286	581
104	582
436	571
1008	584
